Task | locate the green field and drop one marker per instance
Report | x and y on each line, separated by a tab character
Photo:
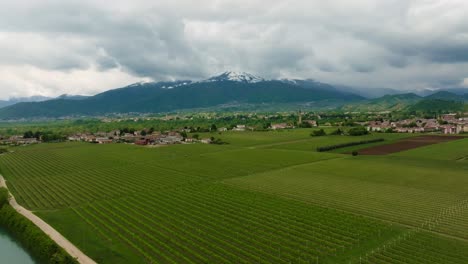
267	197
298	139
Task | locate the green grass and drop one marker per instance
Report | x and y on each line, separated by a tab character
409	192
312	143
256	138
420	247
76	173
218	224
268	197
454	150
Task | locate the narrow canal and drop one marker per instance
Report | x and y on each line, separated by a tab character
11	252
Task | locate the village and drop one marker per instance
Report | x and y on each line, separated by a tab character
444	124
181	136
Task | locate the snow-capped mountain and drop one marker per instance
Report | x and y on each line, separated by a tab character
176	84
140	83
243	89
162	85
242	77
290	81
236	77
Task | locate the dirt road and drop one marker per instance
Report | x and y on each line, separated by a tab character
50	231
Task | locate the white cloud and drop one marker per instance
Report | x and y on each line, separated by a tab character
464	83
19	81
47	47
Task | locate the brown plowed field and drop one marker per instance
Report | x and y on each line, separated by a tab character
406	144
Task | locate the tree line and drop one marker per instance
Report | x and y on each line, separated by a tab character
46	136
349	144
355	131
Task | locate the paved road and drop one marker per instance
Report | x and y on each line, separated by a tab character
54	234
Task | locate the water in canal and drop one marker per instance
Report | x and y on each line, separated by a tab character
11	252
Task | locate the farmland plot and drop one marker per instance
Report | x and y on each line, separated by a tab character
218	224
266	198
388	189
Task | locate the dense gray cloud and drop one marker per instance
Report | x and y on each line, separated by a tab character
54	47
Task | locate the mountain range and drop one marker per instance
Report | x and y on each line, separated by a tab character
38	98
409	101
12	101
228	88
153	97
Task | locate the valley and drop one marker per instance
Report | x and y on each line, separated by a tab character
265	197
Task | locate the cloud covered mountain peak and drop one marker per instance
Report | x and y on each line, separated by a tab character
236	77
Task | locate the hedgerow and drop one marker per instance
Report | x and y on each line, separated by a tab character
348	144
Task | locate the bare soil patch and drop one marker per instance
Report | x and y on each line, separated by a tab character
406	144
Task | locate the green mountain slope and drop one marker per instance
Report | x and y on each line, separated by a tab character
170	96
448	96
437	106
384	103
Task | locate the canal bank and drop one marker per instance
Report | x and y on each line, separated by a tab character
33	239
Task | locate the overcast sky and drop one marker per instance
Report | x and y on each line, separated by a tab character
84	47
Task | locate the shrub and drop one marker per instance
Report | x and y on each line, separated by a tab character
337	132
3	197
348	144
358	131
318	133
354	153
218	141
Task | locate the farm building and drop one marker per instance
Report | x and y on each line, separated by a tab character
142	142
206	141
239	128
280	126
449	117
449	129
74	138
409	129
311	122
170	140
462	128
379	126
103	140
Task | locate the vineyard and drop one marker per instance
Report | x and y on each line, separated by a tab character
262	199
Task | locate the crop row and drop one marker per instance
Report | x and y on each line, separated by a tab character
421	247
60	178
214	223
405	205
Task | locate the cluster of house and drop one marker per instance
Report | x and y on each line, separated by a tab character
312	123
138	137
17	140
447	124
237	128
277	126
